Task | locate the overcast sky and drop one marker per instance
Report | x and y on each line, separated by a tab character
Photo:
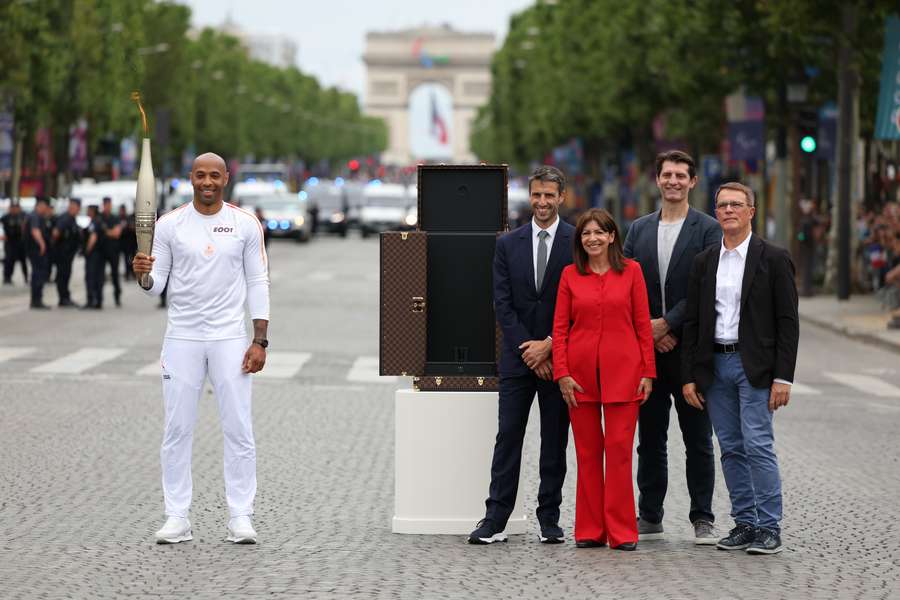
331	34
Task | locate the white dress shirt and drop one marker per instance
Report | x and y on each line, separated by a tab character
535	240
729	279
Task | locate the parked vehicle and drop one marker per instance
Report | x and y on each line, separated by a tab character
385	208
329	204
283	214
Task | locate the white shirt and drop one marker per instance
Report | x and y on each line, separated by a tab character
535	230
729	279
213	265
666	236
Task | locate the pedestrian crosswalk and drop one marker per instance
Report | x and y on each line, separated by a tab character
280	365
79	361
286	365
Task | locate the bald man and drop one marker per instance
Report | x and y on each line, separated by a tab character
211	255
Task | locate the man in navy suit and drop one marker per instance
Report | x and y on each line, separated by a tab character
665	243
528	262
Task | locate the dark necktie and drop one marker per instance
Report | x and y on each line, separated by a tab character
541	257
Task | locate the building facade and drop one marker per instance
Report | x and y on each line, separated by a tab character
427	84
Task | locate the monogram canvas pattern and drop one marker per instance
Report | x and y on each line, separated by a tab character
403	324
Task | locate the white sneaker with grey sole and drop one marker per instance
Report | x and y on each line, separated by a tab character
240	530
175	530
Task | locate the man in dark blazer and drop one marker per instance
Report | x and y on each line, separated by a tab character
665	243
528	262
741	332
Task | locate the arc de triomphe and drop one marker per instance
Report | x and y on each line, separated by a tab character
427	84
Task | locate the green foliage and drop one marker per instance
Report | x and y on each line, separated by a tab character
604	69
65	59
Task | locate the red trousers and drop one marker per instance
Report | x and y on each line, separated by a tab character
604	505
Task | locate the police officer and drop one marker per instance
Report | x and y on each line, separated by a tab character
93	260
128	240
110	247
14	242
38	236
66	237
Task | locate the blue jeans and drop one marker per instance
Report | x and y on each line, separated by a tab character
743	424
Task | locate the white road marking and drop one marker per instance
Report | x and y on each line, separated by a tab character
12	353
804	390
866	384
365	369
79	361
320	276
283	365
153	368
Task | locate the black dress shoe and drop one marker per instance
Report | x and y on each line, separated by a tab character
551	534
67	304
39	307
589	544
627	547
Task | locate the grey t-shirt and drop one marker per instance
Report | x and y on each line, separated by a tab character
665	242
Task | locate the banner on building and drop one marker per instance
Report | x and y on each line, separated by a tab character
887	123
78	150
7	144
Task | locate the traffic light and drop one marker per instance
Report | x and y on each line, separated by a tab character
353	164
808	130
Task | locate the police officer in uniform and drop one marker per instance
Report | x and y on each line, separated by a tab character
93	260
111	248
38	232
14	242
66	237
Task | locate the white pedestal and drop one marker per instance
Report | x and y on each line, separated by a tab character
444	443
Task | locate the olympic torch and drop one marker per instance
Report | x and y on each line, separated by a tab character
145	198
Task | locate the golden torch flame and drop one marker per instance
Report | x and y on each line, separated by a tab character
136	96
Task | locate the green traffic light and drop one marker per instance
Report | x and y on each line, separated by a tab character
808	144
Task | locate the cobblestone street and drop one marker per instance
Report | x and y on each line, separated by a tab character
80	491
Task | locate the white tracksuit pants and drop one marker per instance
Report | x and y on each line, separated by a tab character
185	366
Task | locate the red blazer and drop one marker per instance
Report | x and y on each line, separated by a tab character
602	322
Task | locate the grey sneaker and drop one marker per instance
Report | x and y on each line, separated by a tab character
704	533
649	531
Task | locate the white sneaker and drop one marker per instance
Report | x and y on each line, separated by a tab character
176	529
240	530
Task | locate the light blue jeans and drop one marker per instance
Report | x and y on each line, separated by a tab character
743	424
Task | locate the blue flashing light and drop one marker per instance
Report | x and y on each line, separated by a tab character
175	183
251	180
279	183
339	181
285	224
302	195
272	224
312	181
375	182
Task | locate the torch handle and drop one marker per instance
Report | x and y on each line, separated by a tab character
145	280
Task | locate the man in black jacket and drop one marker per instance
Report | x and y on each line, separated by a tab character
528	262
665	243
66	236
741	334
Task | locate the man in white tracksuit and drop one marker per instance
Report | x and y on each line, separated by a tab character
213	258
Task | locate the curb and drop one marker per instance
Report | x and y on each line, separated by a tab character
852	333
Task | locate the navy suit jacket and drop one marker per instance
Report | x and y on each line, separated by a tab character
523	312
699	231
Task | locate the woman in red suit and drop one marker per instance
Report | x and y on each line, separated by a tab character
603	359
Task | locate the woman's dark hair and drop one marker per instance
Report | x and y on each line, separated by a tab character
602	218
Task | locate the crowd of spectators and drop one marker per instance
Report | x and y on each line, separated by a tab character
879	233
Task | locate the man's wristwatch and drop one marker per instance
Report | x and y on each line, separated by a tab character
262	342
